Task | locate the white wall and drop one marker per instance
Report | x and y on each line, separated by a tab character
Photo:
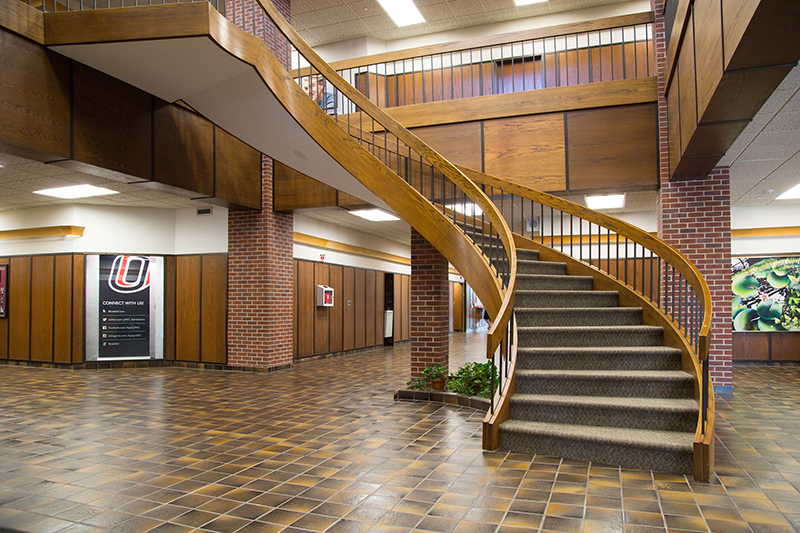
363	46
130	230
765	217
317	228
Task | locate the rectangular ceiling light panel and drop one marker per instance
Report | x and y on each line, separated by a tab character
402	12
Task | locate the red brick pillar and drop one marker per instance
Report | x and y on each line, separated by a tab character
694	216
260	278
430	298
260	274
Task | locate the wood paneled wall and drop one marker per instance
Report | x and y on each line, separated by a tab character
766	346
553	69
355	320
196	308
586	150
60	110
725	59
45	309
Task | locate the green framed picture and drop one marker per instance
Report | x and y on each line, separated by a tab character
766	293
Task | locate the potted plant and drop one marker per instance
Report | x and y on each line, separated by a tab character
433	377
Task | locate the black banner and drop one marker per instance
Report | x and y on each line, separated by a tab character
124	306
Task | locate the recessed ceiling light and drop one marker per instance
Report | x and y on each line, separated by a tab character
527	2
402	12
769	190
375	215
609	201
76	191
791	194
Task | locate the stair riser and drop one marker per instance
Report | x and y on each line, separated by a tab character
535	299
603	386
612	416
541	268
579	361
535	337
623	454
617	316
553	283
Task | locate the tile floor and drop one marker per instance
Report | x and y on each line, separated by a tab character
323	447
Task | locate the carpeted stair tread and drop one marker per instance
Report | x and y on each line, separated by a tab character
613	383
540	267
636	448
579	316
553	282
590	336
663	414
548	298
599	358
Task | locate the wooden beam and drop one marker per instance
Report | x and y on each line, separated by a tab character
22	19
47	231
785	231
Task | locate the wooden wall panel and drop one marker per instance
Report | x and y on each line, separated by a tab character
459	143
183	149
4	323
613	147
237	172
688	90
380	285
336	316
751	346
42	293
170	304
451	307
405	297
294	308
294	190
784	346
708	51
62	308
78	308
527	150
305	308
360	293
458	307
369	308
321	325
674	124
397	327
187	297
34	97
214	310
348	301
113	123
19	310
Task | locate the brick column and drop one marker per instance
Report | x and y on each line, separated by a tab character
260	249
430	314
694	216
260	279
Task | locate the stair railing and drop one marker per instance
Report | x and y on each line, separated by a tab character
652	268
418	165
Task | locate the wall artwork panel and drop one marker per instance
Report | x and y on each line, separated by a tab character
766	293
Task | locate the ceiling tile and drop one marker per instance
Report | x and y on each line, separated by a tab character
338	14
475	19
313	19
501	15
379	23
436	12
784	121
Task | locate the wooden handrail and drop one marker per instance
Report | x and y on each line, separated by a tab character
494	299
670	254
503	38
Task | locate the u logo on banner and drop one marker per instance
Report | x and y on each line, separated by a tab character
129	274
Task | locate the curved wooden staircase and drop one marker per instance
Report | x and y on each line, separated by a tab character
591	367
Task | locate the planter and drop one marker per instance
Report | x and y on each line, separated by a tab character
438	384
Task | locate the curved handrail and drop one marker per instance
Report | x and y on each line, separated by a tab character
499	305
693	327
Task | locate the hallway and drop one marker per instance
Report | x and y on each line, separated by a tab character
324	447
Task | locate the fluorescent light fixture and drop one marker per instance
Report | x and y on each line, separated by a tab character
469	209
402	12
609	201
791	194
76	191
375	215
528	2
